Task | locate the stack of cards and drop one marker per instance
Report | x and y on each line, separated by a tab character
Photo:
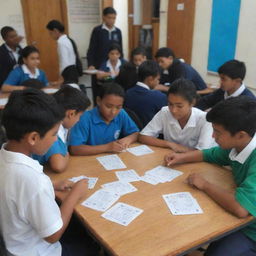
111	162
182	203
119	187
140	150
91	180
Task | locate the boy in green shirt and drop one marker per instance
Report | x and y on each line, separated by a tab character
234	127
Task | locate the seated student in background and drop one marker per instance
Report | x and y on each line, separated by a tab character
106	128
142	98
173	69
33	83
234	128
231	75
30	219
138	56
70	77
109	69
28	69
184	127
74	103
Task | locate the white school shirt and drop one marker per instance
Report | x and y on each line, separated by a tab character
63	133
143	85
236	93
14	54
30	74
197	133
28	211
114	69
110	30
66	52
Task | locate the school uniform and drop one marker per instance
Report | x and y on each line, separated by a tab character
243	166
28	211
22	73
93	130
151	100
197	133
180	69
208	101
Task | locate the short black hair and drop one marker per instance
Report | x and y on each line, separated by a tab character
5	30
148	68
70	75
30	110
233	69
111	88
25	52
115	47
71	98
138	51
55	24
33	83
184	88
108	10
164	52
235	114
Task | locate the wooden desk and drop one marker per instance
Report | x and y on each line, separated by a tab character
156	232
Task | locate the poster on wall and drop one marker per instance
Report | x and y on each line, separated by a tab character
84	11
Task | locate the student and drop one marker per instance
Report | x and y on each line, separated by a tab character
33	83
184	127
109	69
138	56
234	131
106	128
30	219
231	75
173	69
28	69
74	103
143	94
9	52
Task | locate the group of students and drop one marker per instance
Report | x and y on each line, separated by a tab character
45	129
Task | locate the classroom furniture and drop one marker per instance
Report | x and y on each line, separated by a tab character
156	232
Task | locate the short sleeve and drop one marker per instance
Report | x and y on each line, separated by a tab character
44	78
14	77
58	147
128	126
216	155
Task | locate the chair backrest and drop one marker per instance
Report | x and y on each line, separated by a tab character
135	118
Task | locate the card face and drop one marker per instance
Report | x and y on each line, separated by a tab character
101	200
182	203
149	179
91	180
140	150
111	162
119	187
128	176
122	213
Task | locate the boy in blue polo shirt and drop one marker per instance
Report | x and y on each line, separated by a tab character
106	128
234	126
74	103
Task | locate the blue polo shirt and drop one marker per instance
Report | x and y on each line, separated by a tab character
93	130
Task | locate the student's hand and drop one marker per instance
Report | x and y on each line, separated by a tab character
115	147
195	179
80	189
63	185
172	159
124	142
91	67
177	147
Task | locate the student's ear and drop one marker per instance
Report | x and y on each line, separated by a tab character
70	113
241	135
193	103
32	138
238	81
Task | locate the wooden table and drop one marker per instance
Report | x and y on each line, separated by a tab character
156	232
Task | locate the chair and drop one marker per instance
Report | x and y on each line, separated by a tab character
135	118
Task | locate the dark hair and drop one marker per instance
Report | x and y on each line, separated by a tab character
138	51
111	88
148	68
184	88
108	10
235	114
25	52
233	69
115	47
70	74
55	24
5	30
164	52
33	83
30	110
72	98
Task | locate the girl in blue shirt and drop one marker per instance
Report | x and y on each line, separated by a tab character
29	61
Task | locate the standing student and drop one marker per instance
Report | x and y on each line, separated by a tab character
143	93
234	128
9	52
231	75
184	127
31	221
106	128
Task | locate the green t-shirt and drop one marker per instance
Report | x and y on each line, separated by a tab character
245	179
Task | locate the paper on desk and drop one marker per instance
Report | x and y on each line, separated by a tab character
101	200
140	150
119	187
91	180
122	213
149	179
111	162
128	176
3	101
182	203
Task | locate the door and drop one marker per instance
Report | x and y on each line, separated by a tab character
181	14
36	16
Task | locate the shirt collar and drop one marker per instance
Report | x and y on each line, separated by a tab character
63	133
143	85
96	117
191	121
27	71
62	37
11	50
236	93
245	153
19	158
108	29
118	64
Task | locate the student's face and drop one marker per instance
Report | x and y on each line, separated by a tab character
228	84
109	20
165	62
110	106
153	81
12	39
71	118
179	107
114	55
138	59
54	34
32	61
